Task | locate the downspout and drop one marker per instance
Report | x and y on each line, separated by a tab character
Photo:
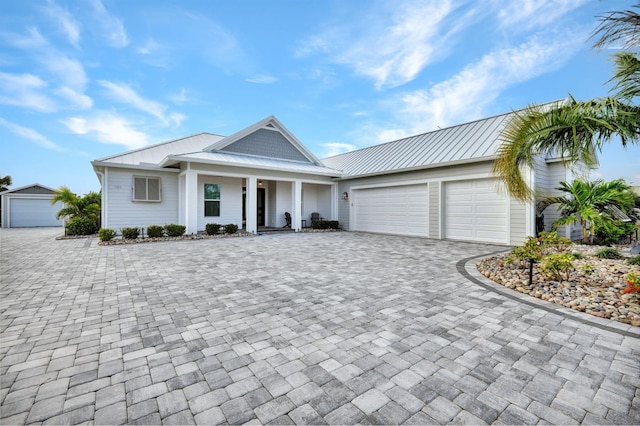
102	176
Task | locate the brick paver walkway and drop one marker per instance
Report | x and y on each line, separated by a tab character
336	328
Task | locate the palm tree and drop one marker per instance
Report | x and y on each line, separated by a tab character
74	206
5	183
573	129
587	203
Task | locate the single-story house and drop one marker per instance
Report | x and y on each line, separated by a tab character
29	206
438	184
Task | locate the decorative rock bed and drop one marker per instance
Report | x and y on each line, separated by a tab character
599	293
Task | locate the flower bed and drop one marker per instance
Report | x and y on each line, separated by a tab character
119	241
595	286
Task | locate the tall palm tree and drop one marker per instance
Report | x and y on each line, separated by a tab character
5	183
574	129
587	202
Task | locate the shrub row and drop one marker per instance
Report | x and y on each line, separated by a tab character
157	231
82	225
325	224
215	228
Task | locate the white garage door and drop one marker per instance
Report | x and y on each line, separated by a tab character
475	210
400	210
29	212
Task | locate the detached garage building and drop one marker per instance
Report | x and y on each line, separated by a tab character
441	185
29	206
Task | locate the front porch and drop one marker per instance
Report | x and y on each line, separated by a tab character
253	202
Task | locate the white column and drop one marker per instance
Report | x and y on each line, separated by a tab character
191	201
334	201
251	204
296	220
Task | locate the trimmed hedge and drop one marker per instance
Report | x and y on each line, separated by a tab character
325	224
106	234
130	233
80	225
212	228
155	231
174	230
230	228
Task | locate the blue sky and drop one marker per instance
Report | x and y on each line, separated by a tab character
80	80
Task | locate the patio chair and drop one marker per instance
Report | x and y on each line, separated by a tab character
287	217
315	216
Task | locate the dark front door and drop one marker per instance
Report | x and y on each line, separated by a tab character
261	206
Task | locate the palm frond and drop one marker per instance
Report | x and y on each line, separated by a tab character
621	27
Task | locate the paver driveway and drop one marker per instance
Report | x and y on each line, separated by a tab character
308	328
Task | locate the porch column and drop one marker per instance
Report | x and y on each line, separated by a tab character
251	204
334	201
191	201
297	206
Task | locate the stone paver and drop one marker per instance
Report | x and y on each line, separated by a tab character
335	328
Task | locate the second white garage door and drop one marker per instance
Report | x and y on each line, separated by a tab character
402	210
475	210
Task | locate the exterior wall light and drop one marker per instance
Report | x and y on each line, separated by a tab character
345	195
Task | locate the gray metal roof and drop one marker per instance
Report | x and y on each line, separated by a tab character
474	141
154	154
233	159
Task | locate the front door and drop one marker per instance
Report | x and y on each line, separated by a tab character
261	206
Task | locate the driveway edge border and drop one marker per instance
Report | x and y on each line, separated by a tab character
468	269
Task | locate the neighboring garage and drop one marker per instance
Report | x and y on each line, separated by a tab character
29	206
475	210
402	209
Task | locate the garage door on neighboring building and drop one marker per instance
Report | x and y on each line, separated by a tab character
402	210
25	212
475	210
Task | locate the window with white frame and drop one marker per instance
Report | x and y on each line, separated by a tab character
146	188
212	199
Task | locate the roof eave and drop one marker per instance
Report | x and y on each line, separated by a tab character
422	167
160	168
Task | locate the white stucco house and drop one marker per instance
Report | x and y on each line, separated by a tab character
437	184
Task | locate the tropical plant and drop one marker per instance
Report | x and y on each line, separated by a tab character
5	182
557	266
609	253
576	130
80	211
586	203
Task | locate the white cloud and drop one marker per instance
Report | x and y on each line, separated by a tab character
77	99
25	91
32	135
108	128
149	47
391	45
181	97
68	25
335	148
33	40
112	27
70	71
261	79
124	93
527	14
466	95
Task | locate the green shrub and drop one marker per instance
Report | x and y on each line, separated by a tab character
130	233
174	230
555	265
609	253
613	233
325	224
81	225
155	231
230	228
576	255
587	269
552	241
106	234
212	228
634	260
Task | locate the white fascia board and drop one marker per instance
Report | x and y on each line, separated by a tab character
133	166
172	158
